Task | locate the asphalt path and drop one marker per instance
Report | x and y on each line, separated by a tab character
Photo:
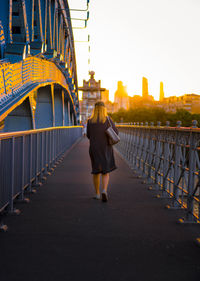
64	234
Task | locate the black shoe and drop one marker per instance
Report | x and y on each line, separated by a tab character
104	197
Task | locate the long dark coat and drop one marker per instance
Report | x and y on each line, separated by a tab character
100	151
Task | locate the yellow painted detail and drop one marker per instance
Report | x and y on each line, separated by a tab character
23	133
31	70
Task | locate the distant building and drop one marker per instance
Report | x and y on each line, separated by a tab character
105	96
136	101
91	94
145	92
111	107
121	96
189	102
161	92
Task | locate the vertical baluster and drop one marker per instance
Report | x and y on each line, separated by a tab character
3	227
176	168
22	180
12	186
166	165
191	181
37	172
30	163
11	193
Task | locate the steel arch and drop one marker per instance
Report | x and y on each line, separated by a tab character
37	50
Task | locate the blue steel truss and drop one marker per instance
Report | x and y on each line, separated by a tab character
38	75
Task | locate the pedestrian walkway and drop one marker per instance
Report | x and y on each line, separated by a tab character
63	234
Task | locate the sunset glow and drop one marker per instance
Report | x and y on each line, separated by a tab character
132	39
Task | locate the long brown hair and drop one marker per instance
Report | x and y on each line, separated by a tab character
99	113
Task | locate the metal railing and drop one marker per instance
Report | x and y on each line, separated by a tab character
169	158
28	157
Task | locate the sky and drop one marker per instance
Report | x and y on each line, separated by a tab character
129	39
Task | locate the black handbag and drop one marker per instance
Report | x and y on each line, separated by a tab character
113	138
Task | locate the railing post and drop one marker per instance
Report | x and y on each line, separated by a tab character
157	159
166	164
49	152
46	156
151	153
194	123
11	208
42	156
22	181
3	227
21	197
176	170
37	182
30	183
191	181
31	165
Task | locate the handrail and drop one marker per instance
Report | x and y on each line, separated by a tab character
28	132
186	129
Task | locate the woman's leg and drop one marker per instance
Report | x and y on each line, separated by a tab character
105	181
96	181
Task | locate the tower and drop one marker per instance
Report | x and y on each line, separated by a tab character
121	96
145	92
161	91
91	94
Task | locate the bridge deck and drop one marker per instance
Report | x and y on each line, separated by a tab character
63	234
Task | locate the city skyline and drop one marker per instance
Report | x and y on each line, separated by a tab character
136	40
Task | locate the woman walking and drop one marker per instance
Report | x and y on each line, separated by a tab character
100	151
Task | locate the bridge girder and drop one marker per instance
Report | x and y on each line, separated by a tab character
37	49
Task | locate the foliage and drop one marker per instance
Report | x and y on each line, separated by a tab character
154	115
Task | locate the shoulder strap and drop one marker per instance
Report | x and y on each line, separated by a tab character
109	121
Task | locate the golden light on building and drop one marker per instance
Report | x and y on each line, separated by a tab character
145	91
161	91
121	96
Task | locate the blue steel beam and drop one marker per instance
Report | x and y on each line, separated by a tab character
41	28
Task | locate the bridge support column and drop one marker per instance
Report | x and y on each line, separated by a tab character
69	113
44	114
58	106
20	119
63	108
66	113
